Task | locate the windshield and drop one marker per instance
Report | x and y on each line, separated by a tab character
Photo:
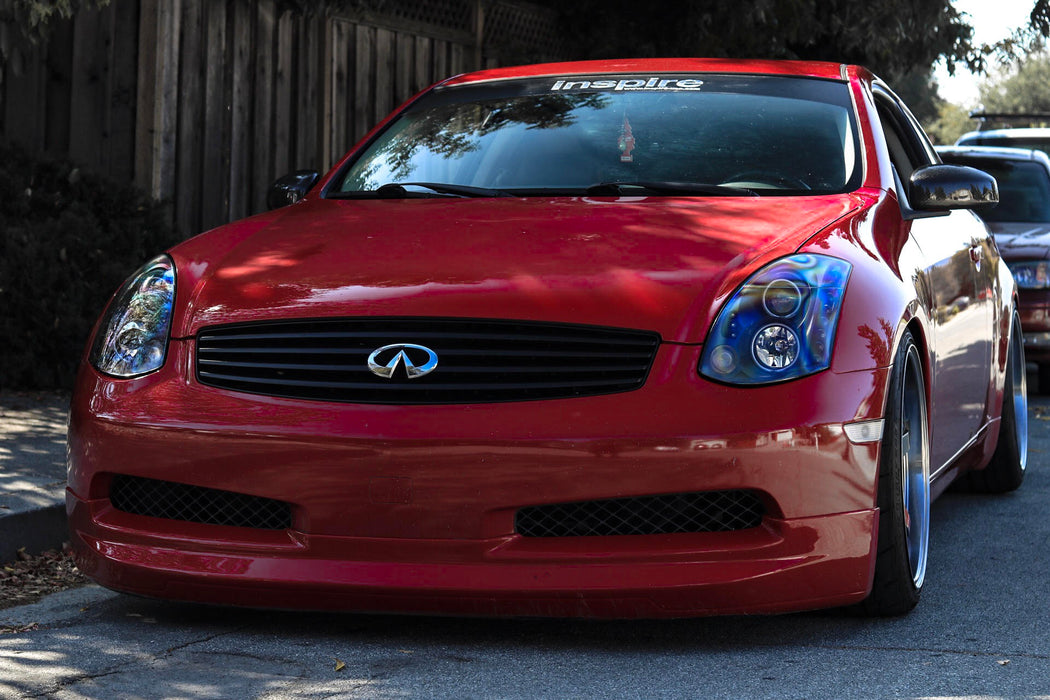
665	134
1024	189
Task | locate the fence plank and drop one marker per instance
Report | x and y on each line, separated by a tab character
241	122
263	167
342	46
59	88
6	49
324	113
120	148
457	59
423	74
26	99
441	69
215	195
146	95
307	154
388	47
104	93
166	118
364	85
86	100
190	162
283	96
404	80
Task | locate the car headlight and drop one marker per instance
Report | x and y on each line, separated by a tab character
780	324
132	336
1031	275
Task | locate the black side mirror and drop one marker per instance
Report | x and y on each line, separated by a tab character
951	187
290	188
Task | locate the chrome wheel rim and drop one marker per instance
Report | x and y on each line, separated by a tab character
915	468
1019	396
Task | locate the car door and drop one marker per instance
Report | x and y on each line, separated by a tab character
956	274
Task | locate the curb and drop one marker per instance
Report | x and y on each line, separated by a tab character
32	472
36	530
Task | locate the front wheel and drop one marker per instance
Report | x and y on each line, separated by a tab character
904	490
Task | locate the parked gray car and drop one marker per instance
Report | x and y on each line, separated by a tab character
1036	138
1020	224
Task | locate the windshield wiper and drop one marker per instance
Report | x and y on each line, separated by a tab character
395	190
644	187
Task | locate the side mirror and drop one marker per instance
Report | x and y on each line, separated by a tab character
951	187
290	188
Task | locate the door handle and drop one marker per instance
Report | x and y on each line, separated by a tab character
975	255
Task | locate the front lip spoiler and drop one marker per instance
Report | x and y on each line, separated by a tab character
789	565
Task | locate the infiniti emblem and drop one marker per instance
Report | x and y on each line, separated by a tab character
384	361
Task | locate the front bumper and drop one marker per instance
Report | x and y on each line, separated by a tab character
785	565
443	540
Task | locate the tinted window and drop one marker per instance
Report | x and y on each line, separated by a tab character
1024	189
773	135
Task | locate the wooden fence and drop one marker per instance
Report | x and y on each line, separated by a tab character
205	102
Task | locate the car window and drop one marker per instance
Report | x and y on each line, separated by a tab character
907	144
1024	189
1007	140
770	135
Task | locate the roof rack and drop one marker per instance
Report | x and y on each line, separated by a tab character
986	117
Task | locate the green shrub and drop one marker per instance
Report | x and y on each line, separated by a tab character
68	239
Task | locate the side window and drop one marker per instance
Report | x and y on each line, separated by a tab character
902	162
907	144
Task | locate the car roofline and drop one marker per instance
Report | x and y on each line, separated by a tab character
995	152
1024	131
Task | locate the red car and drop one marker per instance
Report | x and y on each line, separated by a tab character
642	338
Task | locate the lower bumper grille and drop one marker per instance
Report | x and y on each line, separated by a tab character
707	511
196	504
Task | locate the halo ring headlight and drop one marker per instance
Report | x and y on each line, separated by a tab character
132	337
782	298
779	324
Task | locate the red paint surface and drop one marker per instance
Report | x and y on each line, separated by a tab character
649	263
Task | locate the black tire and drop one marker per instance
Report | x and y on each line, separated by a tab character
1044	380
1006	470
903	490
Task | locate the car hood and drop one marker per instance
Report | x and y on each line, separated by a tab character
1021	240
660	264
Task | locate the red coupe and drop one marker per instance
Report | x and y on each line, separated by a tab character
644	338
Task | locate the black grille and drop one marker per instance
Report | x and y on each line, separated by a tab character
478	361
195	504
710	511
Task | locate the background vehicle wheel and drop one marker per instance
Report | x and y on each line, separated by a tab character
1006	470
904	490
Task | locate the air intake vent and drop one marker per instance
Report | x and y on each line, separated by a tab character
477	361
709	511
196	504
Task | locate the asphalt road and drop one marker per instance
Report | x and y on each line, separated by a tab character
982	630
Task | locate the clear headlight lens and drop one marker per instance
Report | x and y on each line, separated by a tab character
780	324
132	337
1031	275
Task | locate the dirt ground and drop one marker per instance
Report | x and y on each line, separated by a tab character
31	577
